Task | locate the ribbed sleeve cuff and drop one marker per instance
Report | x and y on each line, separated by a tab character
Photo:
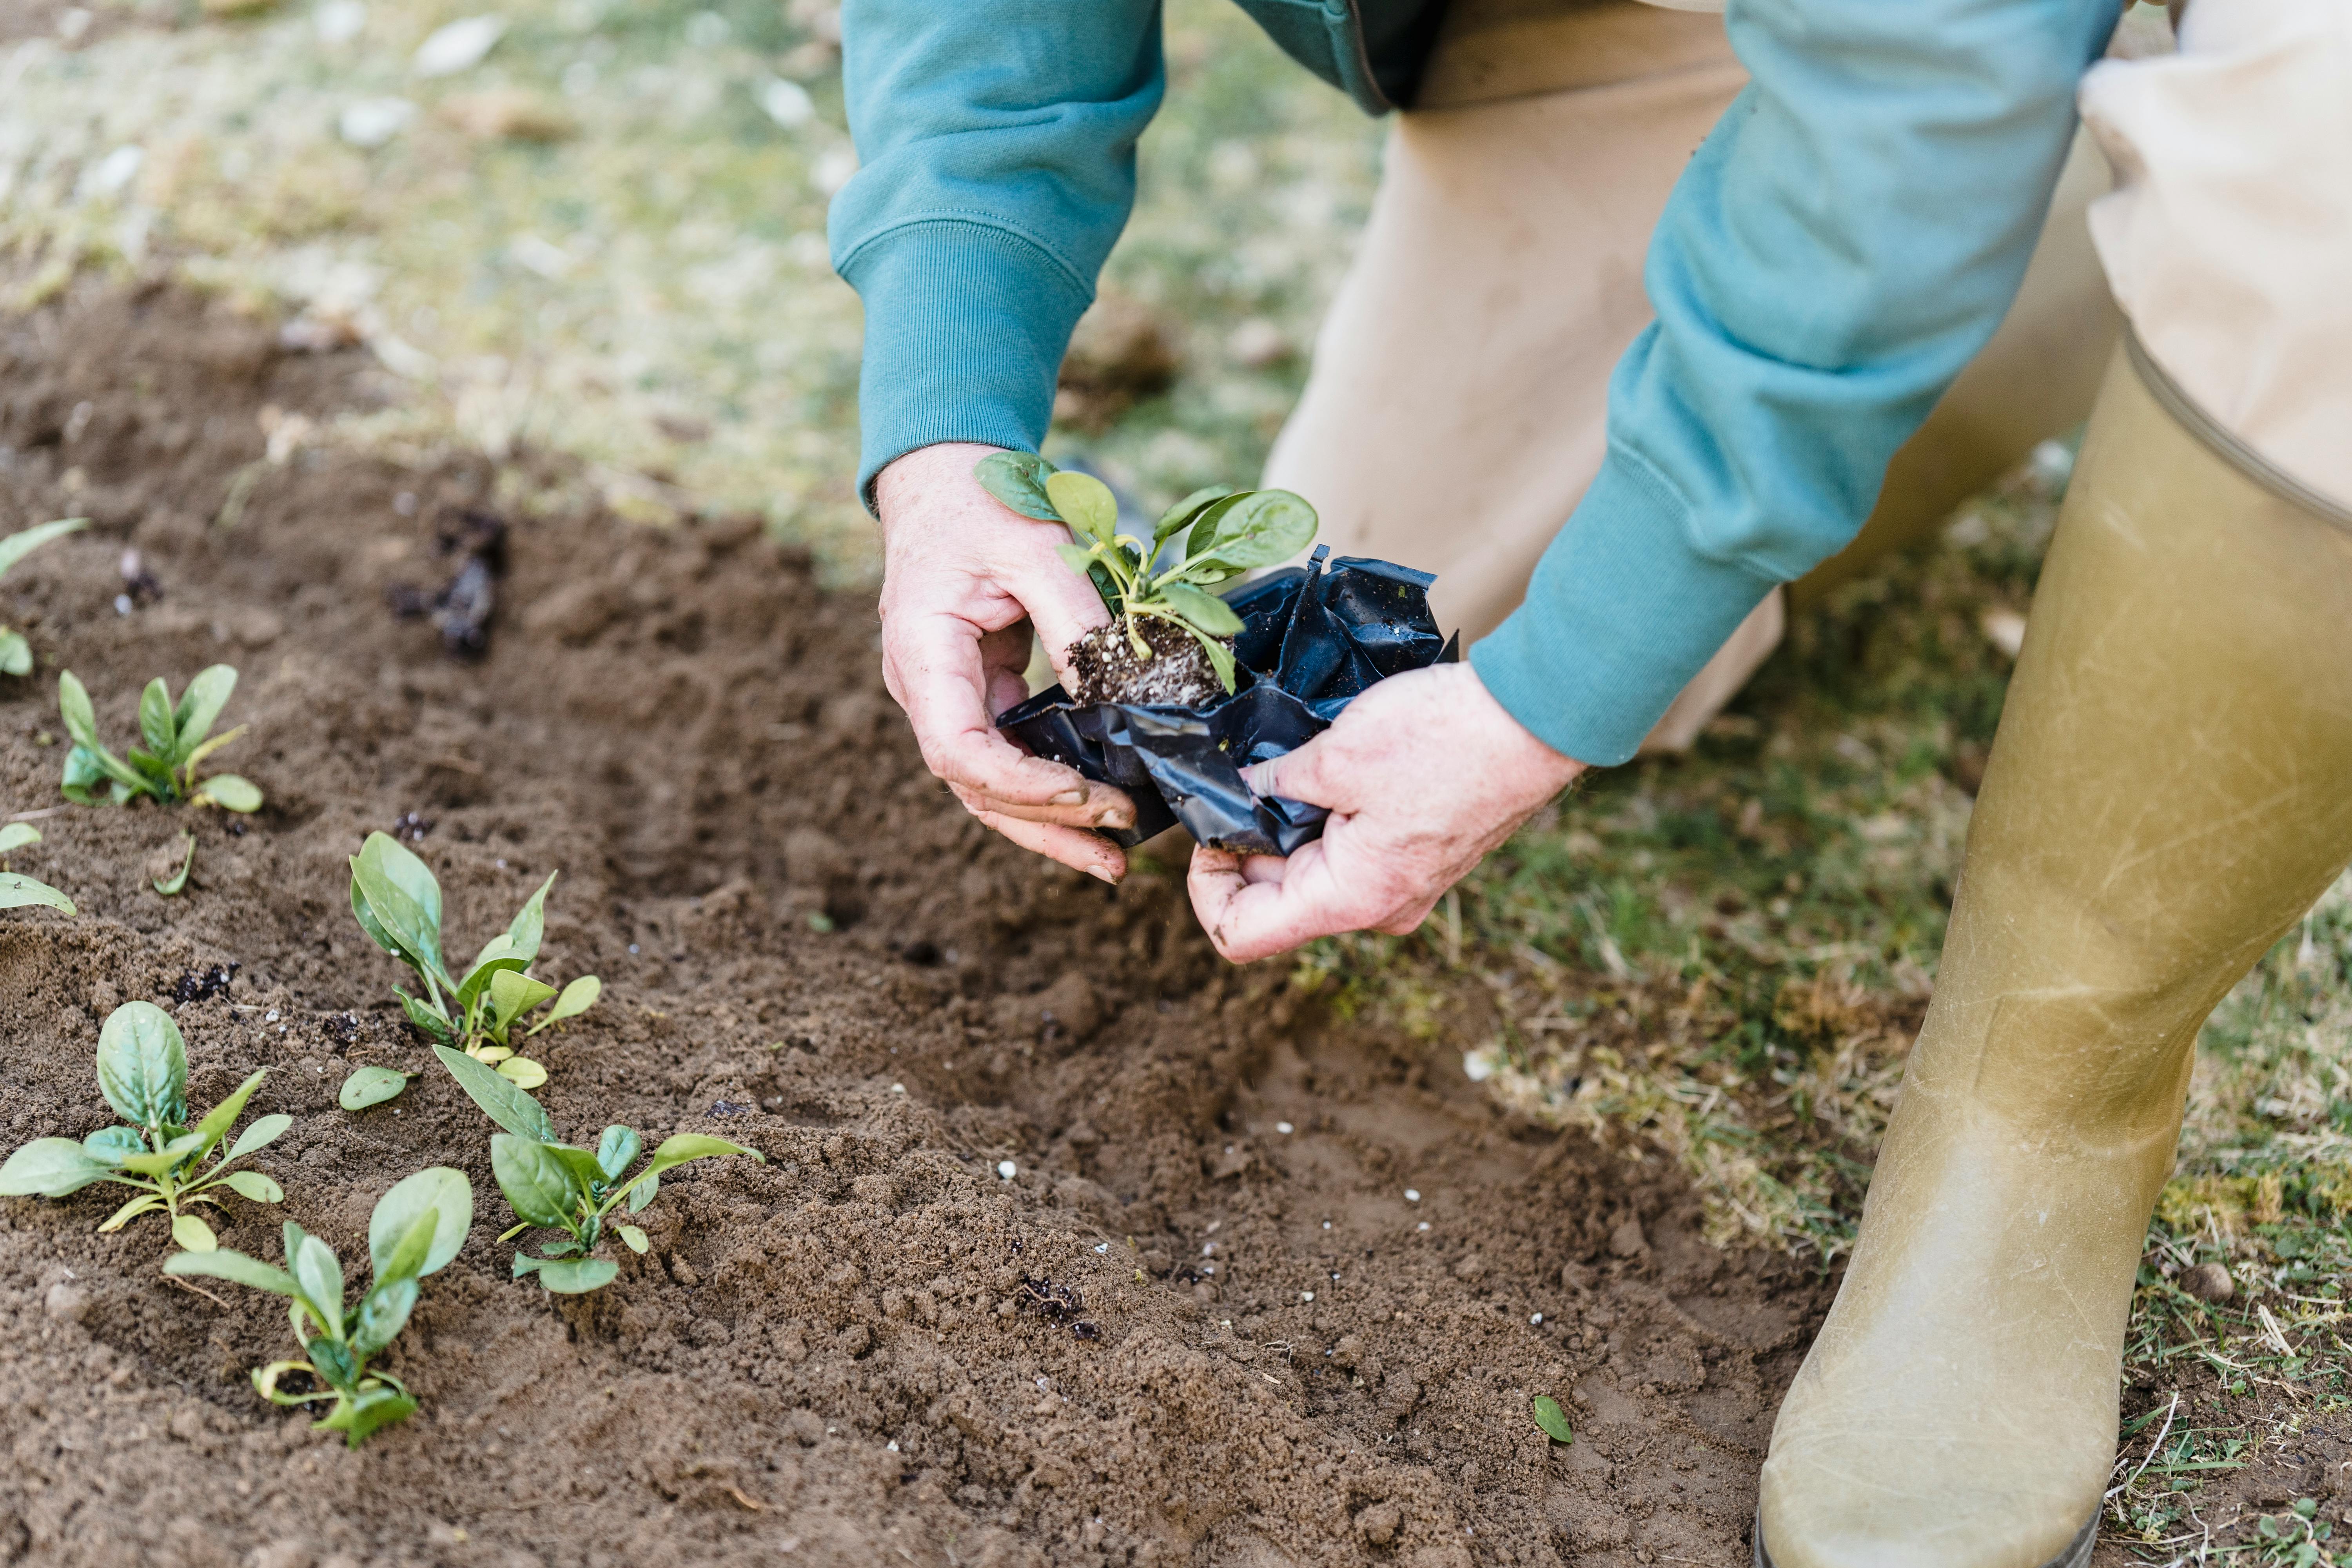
1623	611
965	328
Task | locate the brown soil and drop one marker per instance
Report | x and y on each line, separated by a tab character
1104	666
872	1349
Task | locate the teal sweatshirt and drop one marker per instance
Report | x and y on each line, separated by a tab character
1840	246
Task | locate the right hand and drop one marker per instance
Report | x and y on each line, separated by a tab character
963	580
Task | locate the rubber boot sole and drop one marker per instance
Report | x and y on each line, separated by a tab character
2076	1555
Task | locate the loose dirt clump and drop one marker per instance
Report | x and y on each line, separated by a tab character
1104	666
1325	1276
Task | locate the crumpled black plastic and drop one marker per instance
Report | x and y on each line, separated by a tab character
1312	639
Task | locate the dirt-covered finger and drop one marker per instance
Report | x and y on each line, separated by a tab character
1249	920
938	676
1080	850
1104	805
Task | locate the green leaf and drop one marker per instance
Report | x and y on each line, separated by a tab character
200	707
114	1144
1018	479
230	793
420	1014
18	891
359	1415
194	1234
519	943
142	1066
1207	613
130	1212
1185	512
538	1185
156	726
25	540
170	886
333	1359
1086	503
371	1085
73	707
400	892
261	1135
383	1312
513	994
576	999
407	1254
584	1168
153	771
82	776
1263	528
15	836
222	1117
87	763
1553	1420
234	1267
1221	657
448	1193
567	1276
617	1151
635	1238
1076	557
253	1184
522	1072
16	652
198	753
50	1168
502	1102
320	1272
376	932
678	1149
642	1192
178	1152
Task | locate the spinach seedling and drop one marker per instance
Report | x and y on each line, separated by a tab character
18	891
570	1190
398	904
417	1229
142	1071
175	736
16	652
1225	532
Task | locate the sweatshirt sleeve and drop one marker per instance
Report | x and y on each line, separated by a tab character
1840	246
997	148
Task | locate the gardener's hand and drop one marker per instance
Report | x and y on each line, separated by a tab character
963	581
1424	773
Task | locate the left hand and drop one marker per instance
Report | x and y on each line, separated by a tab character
1424	773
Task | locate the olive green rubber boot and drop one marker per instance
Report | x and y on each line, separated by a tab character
2169	791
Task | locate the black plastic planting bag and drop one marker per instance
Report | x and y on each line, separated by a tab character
1311	639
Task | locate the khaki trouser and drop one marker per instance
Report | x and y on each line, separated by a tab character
1458	403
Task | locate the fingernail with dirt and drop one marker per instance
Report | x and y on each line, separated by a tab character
1102	875
1116	817
1069	797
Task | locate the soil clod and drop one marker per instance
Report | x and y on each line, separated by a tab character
462	607
200	984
